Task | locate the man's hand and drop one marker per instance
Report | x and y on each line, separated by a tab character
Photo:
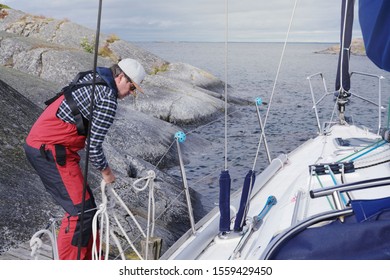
108	176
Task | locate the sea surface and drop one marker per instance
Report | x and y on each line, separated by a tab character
252	69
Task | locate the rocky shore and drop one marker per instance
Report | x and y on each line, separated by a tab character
357	48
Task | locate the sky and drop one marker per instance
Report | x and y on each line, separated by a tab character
200	20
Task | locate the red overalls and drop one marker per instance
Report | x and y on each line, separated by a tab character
63	182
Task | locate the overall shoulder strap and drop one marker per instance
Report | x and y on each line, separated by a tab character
74	85
81	122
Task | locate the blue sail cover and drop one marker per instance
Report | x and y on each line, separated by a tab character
374	17
224	201
351	240
364	209
343	79
249	181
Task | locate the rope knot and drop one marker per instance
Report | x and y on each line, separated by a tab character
151	175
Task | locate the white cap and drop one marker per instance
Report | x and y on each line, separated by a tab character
134	70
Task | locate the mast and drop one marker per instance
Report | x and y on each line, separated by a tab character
343	82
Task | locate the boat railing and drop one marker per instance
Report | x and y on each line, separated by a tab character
372	183
316	103
341	211
379	104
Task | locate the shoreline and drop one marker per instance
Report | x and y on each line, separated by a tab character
357	48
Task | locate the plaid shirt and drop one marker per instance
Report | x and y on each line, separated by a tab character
103	116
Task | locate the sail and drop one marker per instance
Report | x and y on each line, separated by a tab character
374	18
343	83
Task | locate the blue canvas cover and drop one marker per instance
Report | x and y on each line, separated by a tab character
249	181
365	209
343	79
357	238
374	18
224	201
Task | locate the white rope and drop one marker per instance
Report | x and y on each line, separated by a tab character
149	182
124	206
118	244
96	250
36	243
105	215
126	236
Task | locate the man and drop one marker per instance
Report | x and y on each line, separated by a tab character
60	132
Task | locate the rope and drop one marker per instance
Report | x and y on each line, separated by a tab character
164	155
371	165
151	205
102	210
322	186
335	182
262	136
104	213
36	243
372	147
161	214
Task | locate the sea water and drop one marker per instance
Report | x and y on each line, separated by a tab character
258	70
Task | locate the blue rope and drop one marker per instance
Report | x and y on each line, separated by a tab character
381	143
336	183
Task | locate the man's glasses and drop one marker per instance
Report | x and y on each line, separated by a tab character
132	86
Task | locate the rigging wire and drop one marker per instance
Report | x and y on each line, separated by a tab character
226	76
85	182
280	63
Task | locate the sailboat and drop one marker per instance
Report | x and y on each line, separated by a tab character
327	199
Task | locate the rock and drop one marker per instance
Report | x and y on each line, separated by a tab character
35	89
195	76
24	204
357	48
201	79
53	50
176	101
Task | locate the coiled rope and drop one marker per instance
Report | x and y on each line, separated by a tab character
104	213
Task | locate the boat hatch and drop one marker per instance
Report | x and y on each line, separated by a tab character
354	142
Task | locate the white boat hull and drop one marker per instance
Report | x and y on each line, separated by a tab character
289	179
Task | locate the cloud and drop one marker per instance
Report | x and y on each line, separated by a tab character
198	20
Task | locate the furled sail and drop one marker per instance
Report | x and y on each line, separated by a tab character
374	17
343	83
